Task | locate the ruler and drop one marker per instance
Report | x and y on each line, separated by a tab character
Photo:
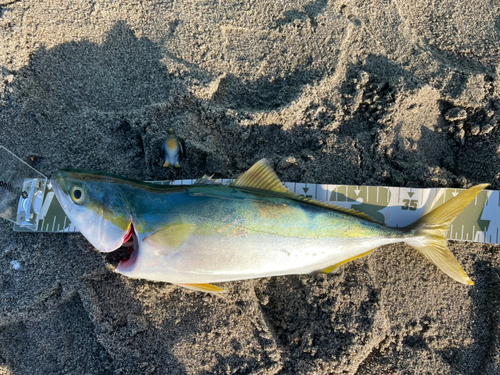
393	206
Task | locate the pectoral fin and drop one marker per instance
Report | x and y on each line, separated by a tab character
337	265
170	238
208	288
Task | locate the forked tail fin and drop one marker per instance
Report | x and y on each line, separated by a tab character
430	230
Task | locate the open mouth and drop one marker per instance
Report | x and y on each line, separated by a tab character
126	255
127	242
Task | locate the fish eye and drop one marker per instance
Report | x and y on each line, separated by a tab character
77	194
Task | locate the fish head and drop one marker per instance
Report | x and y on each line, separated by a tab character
95	204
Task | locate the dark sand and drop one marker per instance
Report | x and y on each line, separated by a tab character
386	93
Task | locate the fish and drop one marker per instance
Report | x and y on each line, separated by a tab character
171	149
196	235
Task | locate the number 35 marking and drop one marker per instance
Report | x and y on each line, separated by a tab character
409	204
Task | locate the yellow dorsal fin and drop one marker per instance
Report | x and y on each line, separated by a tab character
208	288
261	176
170	238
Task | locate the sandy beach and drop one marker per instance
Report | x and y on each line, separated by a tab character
382	93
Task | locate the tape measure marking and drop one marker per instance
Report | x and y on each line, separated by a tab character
393	206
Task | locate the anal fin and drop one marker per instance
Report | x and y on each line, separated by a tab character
337	265
208	288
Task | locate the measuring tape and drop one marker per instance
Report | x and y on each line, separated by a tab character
392	206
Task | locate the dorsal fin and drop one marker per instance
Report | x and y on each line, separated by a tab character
261	176
207	180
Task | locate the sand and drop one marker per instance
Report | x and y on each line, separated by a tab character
385	93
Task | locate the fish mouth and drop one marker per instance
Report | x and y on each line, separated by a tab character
125	257
61	196
128	235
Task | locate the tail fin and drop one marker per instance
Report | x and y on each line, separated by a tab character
429	234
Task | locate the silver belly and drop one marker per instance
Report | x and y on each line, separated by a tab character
208	259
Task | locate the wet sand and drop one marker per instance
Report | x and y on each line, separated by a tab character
397	93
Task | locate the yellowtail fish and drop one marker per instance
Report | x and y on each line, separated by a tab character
171	150
204	233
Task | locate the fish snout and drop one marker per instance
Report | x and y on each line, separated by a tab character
60	189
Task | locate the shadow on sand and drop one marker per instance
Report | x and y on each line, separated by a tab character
117	98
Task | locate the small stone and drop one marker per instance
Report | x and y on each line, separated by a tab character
475	130
456	114
487	128
461	135
286	162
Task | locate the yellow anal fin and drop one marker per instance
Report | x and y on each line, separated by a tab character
208	288
337	265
